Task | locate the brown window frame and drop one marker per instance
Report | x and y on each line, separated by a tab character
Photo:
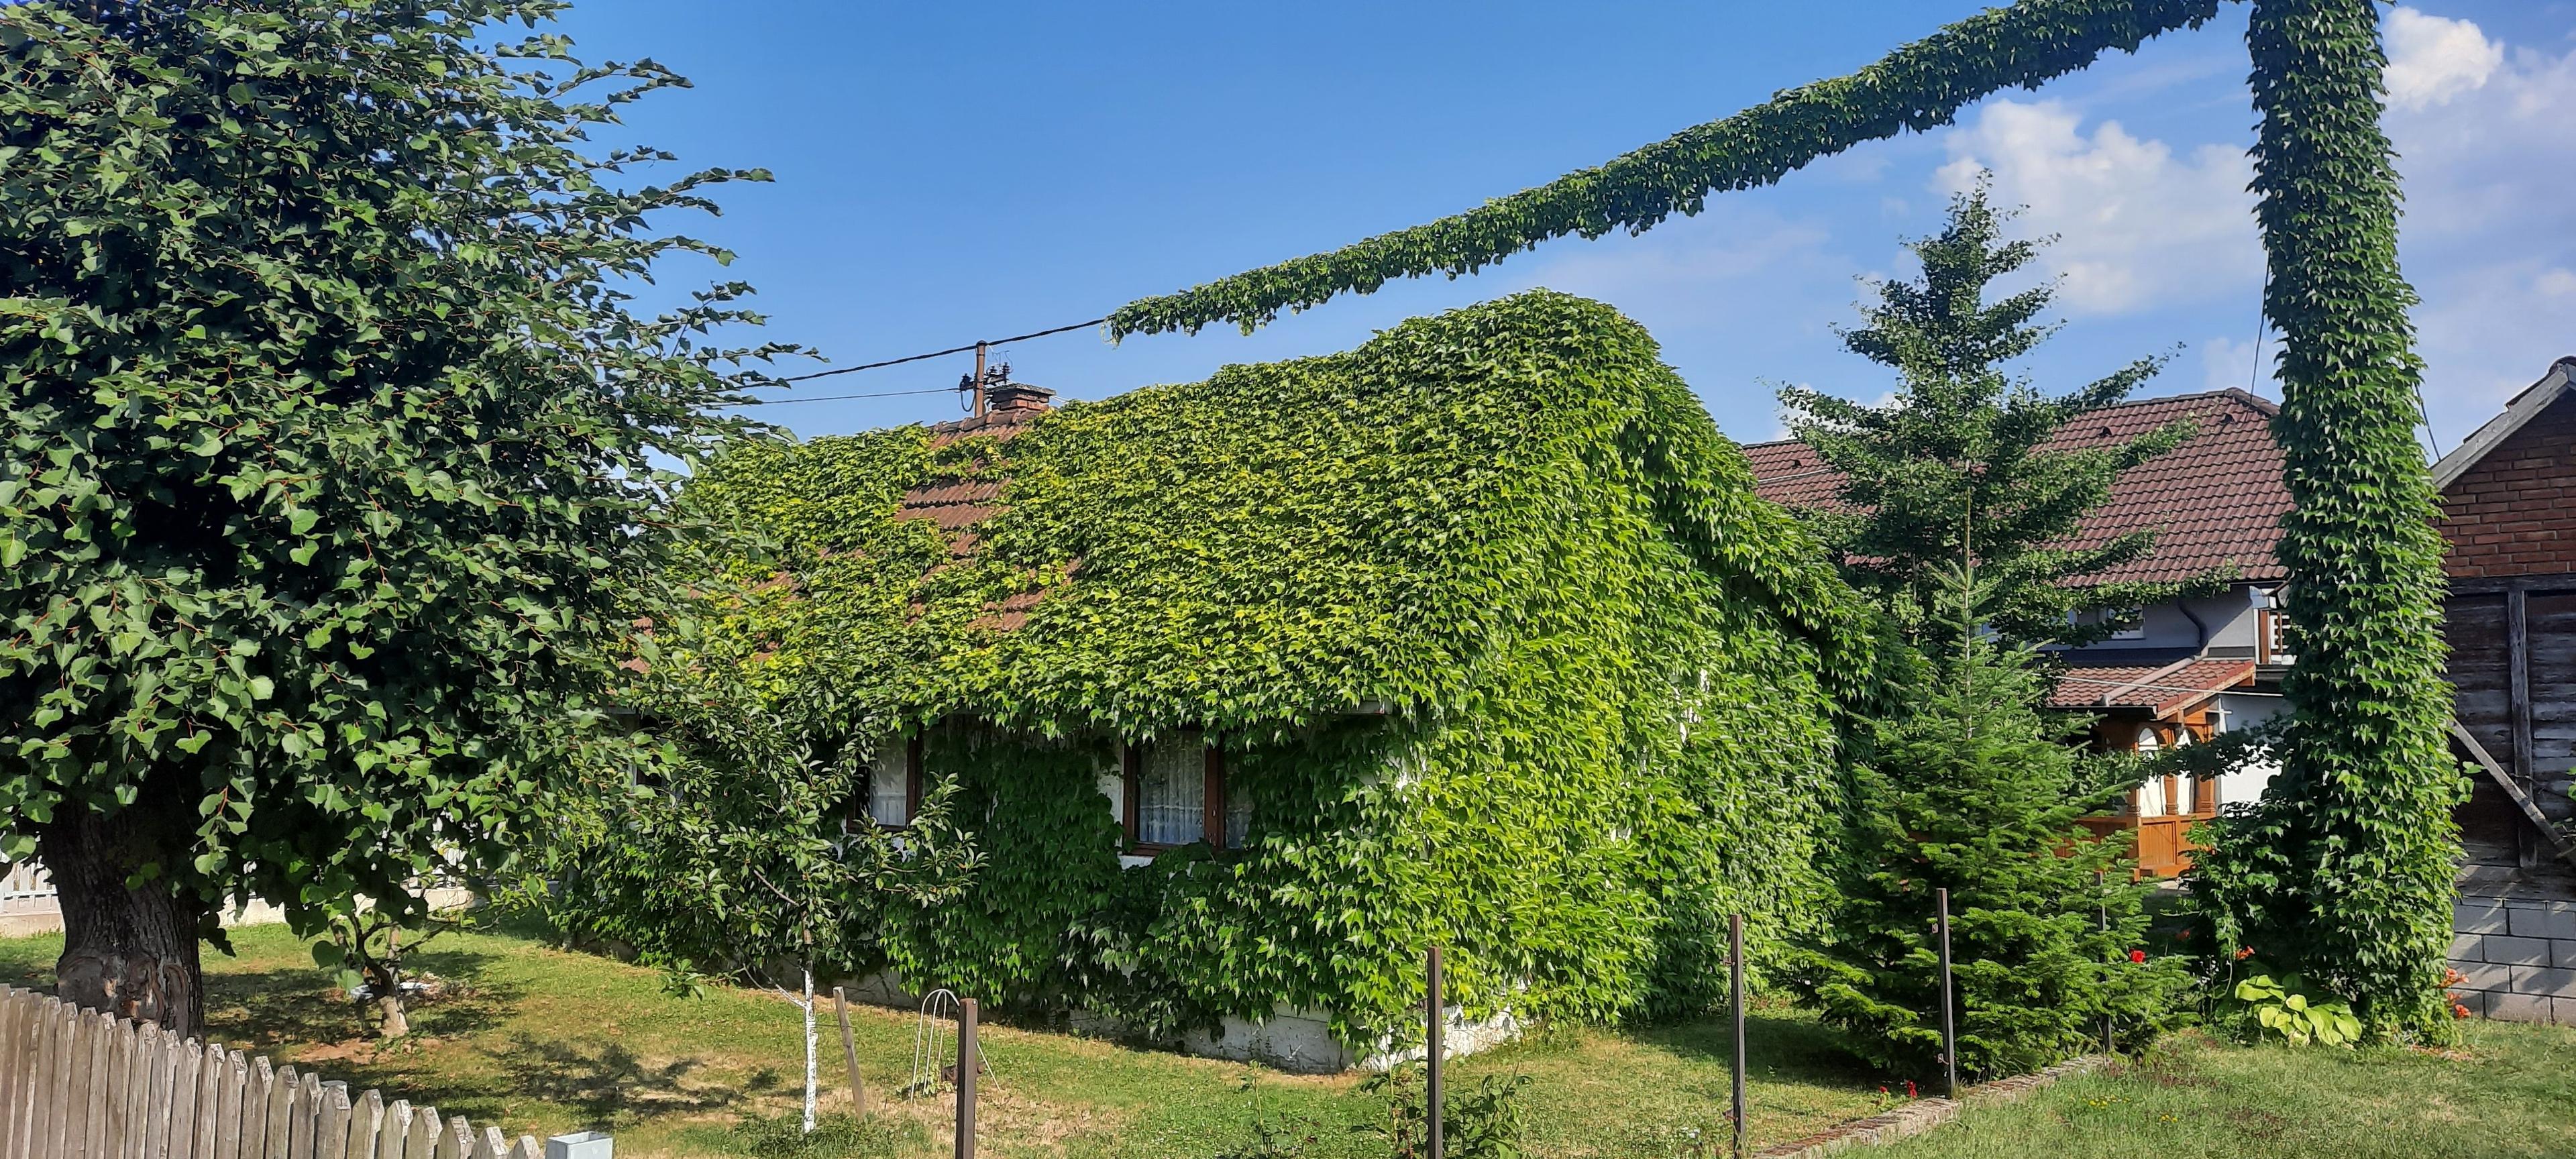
863	804
1212	799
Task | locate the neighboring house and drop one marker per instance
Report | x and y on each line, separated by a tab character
2191	668
2509	506
1252	689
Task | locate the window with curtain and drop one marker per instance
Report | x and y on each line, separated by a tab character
2186	789
890	782
1238	811
2151	795
1171	791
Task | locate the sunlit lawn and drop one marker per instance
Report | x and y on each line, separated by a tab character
545	1041
2509	1091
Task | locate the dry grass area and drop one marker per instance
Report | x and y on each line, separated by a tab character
544	1041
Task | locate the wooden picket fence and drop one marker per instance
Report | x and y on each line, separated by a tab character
79	1084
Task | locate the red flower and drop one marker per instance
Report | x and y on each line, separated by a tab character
2459	1011
1909	1090
2244	952
2137	955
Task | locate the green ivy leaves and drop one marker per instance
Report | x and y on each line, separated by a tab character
1610	672
2344	872
1917	87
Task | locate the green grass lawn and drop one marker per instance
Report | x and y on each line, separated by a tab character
2510	1090
542	1041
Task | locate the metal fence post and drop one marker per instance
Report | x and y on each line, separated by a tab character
1439	1015
1735	985
1949	1021
968	1061
2102	897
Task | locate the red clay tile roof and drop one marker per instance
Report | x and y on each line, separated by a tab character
953	504
2162	689
2215	501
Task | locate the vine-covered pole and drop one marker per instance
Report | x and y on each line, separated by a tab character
1920	86
2359	815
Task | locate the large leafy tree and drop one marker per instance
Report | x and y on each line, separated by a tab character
333	450
1959	465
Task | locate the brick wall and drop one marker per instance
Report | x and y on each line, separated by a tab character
2515	512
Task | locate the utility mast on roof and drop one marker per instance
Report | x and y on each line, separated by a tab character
979	385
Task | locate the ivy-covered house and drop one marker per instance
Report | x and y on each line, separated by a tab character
1253	688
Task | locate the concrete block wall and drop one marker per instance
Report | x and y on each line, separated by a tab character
2517	958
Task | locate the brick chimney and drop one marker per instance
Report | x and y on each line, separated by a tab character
1018	398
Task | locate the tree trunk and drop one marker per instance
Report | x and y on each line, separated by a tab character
130	952
393	1022
810	1043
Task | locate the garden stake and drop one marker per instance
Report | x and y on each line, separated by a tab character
1949	1025
1439	1016
2109	1046
850	1053
967	1061
1735	984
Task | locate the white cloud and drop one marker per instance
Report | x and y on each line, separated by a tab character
2486	142
2138	225
2228	363
2432	59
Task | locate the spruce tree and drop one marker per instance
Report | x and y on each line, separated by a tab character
1960	460
1968	789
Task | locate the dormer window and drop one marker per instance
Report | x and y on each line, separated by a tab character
2133	617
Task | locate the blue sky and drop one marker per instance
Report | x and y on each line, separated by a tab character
948	172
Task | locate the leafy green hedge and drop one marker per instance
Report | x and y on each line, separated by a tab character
1609	671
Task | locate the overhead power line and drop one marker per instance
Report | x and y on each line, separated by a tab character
969	348
839	397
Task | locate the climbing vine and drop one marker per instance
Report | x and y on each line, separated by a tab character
2344	872
1920	86
1484	613
2359	834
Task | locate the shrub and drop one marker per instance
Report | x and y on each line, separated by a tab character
1483	1122
1970	790
2268	1007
